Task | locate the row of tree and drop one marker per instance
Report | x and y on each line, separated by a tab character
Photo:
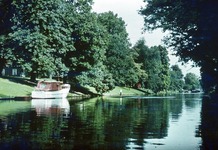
192	26
64	37
155	63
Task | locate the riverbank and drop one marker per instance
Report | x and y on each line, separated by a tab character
12	87
20	88
127	91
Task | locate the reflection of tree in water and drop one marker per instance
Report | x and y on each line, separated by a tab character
152	121
29	131
208	129
191	100
176	107
92	124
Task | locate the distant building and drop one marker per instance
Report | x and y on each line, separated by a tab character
13	69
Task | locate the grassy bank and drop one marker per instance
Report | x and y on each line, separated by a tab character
128	91
11	88
16	86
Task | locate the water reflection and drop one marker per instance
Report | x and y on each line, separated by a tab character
51	107
109	123
208	129
11	106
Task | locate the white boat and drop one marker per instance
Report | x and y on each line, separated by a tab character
51	89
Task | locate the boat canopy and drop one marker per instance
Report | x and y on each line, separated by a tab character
48	86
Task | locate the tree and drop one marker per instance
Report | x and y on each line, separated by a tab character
40	39
90	42
151	64
118	61
178	71
98	77
176	78
193	31
90	38
191	82
164	73
55	36
6	13
140	73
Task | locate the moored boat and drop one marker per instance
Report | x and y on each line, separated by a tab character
51	89
196	91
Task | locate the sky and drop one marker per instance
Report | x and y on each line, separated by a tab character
128	11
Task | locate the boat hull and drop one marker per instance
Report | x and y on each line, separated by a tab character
50	94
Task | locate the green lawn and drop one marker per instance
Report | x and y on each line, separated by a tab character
8	107
10	88
127	91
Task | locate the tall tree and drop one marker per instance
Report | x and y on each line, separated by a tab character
6	13
164	73
151	60
118	60
193	31
176	78
40	39
56	36
140	73
191	82
90	42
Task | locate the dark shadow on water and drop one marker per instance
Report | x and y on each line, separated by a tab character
208	129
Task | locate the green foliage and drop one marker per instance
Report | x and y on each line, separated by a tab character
90	39
90	42
191	82
55	36
178	71
193	31
176	78
164	73
5	26
141	74
97	77
155	63
118	61
40	39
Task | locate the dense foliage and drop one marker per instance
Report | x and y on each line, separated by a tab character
191	82
176	78
193	31
58	37
118	58
155	62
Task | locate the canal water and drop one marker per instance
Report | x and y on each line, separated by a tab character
181	121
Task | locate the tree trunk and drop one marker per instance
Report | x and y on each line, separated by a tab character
2	64
33	76
65	79
1	68
34	72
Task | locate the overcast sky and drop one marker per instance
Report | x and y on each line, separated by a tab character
128	11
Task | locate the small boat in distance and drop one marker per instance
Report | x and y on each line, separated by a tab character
51	89
196	91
